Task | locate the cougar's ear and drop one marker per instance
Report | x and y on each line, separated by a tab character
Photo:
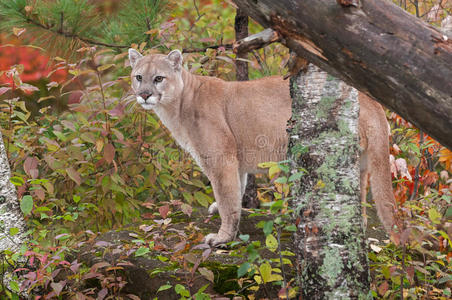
134	56
175	58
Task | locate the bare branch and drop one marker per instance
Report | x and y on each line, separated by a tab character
256	41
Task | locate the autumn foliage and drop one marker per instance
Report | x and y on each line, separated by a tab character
103	164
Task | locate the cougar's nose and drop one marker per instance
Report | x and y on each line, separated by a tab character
145	96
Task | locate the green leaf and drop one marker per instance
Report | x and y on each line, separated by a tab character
202	199
271	243
14	286
275	206
141	251
181	290
17	181
26	204
244	237
243	269
282	179
13	231
284	167
291	228
268	227
295	176
164	287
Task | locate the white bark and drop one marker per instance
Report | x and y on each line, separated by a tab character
324	140
10	214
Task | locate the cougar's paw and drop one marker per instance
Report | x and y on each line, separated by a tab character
213	208
214	240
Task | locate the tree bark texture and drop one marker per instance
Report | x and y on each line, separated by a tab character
397	59
10	214
249	199
330	242
241	32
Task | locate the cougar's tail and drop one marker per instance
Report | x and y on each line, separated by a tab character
380	174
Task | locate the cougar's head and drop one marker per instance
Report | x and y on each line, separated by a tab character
156	78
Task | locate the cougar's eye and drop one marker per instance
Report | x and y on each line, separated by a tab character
158	78
139	78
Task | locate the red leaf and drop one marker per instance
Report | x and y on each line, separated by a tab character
109	153
117	111
100	265
163	210
58	286
4	90
28	88
40	194
102	293
31	167
383	288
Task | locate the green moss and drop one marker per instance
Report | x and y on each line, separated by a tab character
324	106
332	265
343	128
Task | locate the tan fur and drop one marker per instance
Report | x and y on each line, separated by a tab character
230	127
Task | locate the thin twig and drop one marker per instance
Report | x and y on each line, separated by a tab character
194	50
199	16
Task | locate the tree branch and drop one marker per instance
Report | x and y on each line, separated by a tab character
256	41
194	50
74	35
402	62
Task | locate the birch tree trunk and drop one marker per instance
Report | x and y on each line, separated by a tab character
330	240
10	214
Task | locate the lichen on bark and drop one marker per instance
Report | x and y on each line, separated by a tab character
330	241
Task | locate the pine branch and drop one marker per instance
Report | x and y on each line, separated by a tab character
74	35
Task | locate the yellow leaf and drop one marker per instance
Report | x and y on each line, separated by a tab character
105	67
152	31
271	243
266	165
320	185
99	145
18	31
265	271
258	279
273	171
275	277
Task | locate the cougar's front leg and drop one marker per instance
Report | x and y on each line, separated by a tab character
227	190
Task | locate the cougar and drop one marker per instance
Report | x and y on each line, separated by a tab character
231	127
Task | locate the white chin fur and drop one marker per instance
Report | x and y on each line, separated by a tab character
149	104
